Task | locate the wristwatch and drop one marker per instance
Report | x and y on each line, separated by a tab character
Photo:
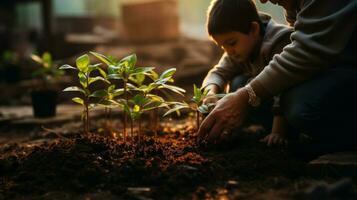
253	100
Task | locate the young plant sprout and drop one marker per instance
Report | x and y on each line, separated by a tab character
149	93
107	97
141	103
123	70
84	69
48	70
198	107
161	83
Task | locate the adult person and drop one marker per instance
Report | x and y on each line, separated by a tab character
316	74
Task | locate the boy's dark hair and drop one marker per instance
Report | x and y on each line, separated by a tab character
232	15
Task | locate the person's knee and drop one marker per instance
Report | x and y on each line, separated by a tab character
302	116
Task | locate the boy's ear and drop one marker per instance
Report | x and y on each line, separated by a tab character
255	29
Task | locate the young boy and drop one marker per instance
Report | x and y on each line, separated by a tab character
249	40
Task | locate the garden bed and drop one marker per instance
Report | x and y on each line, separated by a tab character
170	166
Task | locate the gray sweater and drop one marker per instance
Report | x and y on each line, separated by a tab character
275	38
323	37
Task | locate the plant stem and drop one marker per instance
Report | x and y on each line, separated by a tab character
84	120
139	131
125	114
155	116
87	116
197	119
87	107
156	120
131	128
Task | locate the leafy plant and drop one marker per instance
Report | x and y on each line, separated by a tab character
150	100
7	57
48	70
197	104
124	70
107	99
85	69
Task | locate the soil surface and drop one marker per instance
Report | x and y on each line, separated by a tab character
63	163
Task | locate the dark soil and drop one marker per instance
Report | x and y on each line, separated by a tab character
170	166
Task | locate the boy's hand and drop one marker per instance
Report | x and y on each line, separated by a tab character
211	98
228	115
278	134
274	139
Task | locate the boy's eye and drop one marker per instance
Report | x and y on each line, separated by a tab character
232	43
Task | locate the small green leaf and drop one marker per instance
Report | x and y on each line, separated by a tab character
102	58
102	72
97	78
37	59
153	75
99	93
203	109
129	61
74	89
78	100
131	86
112	69
67	67
155	98
83	62
47	58
143	70
173	88
114	76
111	88
138	79
91	106
176	108
82	79
168	73
196	91
118	92
139	99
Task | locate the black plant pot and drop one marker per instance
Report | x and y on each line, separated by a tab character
44	103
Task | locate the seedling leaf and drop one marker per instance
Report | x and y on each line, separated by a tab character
78	100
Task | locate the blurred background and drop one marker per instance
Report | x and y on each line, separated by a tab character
163	33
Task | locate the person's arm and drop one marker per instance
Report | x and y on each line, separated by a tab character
217	77
322	31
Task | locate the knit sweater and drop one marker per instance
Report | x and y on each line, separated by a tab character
324	36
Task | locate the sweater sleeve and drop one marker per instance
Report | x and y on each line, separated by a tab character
221	73
322	31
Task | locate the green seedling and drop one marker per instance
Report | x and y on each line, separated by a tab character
141	103
48	69
124	70
107	97
159	84
7	57
84	69
163	86
198	106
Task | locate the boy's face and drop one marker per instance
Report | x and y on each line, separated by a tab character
237	45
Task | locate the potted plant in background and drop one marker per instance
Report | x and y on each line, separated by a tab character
44	98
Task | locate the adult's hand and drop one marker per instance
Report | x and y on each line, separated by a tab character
229	114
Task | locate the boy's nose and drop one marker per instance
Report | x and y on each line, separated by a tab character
230	52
